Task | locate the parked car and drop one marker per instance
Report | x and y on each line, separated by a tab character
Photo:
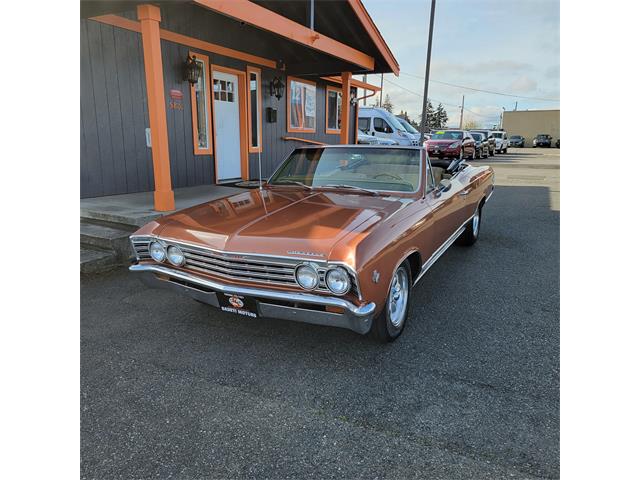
365	139
482	145
490	139
337	236
501	141
516	141
379	122
542	140
558	143
451	144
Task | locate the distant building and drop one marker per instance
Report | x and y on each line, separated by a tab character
530	123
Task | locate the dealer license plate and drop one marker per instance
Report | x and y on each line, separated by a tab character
238	304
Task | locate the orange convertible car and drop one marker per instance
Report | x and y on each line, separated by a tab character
337	236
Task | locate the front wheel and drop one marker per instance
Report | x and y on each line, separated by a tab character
390	323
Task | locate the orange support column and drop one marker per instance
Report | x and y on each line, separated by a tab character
149	16
345	115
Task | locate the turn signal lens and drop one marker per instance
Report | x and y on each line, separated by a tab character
156	250
337	280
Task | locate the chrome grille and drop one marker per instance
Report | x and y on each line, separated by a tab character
239	267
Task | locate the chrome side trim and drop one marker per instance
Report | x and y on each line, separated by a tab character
363	311
441	249
490	193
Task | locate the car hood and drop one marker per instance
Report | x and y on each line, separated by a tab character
278	222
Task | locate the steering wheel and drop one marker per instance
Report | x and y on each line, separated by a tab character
391	175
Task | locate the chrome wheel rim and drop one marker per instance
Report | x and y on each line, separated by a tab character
398	297
476	223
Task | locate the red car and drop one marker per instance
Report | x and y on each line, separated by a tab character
451	144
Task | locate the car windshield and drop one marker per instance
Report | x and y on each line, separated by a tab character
447	135
498	134
477	136
515	137
543	137
407	126
378	169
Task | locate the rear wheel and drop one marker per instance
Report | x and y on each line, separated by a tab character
390	323
472	230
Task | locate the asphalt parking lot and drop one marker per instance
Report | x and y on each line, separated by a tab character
174	389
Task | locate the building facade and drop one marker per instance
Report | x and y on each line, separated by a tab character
180	94
530	123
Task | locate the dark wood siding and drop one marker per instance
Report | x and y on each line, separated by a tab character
114	115
113	112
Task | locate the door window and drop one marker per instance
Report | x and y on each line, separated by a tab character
379	125
364	123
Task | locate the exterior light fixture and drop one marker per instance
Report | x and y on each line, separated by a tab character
192	70
354	100
276	88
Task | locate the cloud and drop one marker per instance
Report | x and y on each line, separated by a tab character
523	84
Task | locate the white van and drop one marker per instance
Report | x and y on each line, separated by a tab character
378	122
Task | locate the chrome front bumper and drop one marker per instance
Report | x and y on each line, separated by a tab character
299	306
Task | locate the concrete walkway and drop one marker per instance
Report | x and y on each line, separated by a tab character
137	208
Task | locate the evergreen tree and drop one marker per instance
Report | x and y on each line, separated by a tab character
387	105
441	117
430	117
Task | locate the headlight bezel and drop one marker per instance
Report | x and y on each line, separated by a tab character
162	248
341	271
311	267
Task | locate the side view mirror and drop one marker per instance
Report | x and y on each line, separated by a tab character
444	185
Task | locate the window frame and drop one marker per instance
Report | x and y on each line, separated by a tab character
258	73
194	107
333	131
290	128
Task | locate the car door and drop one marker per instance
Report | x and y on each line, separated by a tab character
381	128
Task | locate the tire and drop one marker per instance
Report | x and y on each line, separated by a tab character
492	152
390	323
472	230
505	150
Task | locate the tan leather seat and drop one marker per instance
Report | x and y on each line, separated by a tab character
437	174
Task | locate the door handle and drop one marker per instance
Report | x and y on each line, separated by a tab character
464	193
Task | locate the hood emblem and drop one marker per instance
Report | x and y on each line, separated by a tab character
308	254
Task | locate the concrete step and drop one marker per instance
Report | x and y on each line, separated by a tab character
106	236
94	260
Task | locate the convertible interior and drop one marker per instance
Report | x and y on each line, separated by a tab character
446	168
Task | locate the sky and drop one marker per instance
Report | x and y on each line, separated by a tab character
506	46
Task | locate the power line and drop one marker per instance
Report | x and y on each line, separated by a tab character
443	103
485	91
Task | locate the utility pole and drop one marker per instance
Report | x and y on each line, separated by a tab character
381	85
425	99
516	108
461	111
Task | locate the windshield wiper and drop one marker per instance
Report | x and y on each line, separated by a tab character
353	187
291	182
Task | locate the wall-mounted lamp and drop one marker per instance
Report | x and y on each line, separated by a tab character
354	100
192	70
276	88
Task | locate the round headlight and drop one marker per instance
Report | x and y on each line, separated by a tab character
338	281
156	250
175	256
307	276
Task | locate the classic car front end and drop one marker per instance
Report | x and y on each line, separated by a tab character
337	237
291	288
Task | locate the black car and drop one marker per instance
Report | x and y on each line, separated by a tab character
516	141
542	140
482	144
489	137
